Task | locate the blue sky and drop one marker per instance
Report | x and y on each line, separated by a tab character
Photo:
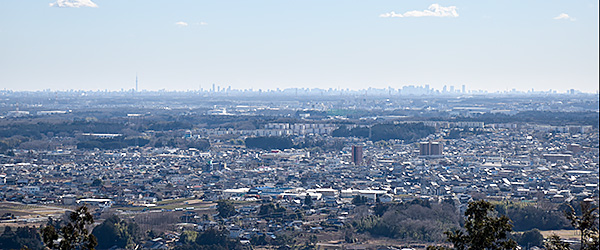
187	45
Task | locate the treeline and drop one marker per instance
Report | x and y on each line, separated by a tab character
33	134
285	142
529	238
112	143
404	131
528	217
269	142
278	213
554	118
122	142
210	239
458	133
111	233
422	221
38	130
417	220
21	237
117	232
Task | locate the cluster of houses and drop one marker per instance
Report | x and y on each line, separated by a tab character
498	163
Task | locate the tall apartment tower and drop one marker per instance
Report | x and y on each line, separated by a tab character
431	148
424	148
357	155
435	148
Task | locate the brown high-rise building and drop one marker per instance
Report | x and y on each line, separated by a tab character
435	148
575	148
357	155
424	148
431	148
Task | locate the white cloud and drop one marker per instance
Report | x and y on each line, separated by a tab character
73	4
564	16
181	24
434	10
202	23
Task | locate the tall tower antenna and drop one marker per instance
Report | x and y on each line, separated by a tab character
136	83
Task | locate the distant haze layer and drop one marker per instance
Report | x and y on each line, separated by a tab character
339	44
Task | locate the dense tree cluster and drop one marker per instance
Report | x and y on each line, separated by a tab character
415	221
116	232
482	230
226	209
169	125
528	217
458	133
40	129
38	133
112	143
21	238
210	239
540	117
326	144
269	142
402	131
359	200
529	238
278	213
282	241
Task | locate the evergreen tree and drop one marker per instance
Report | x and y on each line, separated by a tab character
308	201
483	230
73	235
226	208
116	232
21	238
359	200
555	243
212	238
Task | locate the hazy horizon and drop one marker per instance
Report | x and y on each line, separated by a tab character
493	46
311	91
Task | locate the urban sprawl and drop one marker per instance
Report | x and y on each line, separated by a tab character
299	169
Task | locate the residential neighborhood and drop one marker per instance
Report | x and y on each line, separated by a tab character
314	188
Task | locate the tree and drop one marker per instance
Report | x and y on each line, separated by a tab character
260	240
21	238
188	237
530	238
555	243
96	183
73	235
283	241
359	200
211	238
308	200
266	209
116	232
587	224
269	210
544	216
226	208
483	230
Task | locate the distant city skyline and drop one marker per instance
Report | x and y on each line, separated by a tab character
191	45
410	90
